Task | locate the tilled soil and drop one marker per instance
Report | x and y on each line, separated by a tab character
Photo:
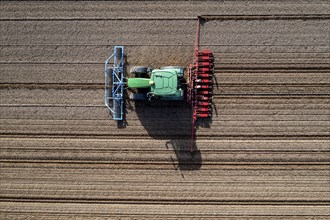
263	154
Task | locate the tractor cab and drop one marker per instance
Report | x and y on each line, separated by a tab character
165	83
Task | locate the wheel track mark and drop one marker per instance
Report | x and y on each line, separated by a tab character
206	17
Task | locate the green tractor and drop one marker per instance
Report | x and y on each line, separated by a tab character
165	83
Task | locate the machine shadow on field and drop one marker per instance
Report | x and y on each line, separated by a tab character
171	120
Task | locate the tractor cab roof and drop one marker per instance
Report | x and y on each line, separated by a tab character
165	82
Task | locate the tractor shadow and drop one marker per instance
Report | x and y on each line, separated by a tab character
187	159
171	120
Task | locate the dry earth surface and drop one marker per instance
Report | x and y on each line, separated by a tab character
265	154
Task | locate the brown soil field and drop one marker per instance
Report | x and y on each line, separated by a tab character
264	154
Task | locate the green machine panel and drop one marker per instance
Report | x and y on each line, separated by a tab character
165	82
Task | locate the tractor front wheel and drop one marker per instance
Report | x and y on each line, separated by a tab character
139	71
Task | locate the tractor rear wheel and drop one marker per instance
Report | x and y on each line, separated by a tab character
180	74
171	67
